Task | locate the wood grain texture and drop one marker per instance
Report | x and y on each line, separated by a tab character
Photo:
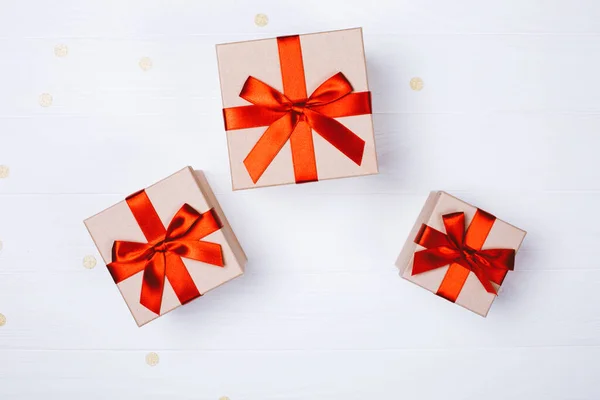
508	119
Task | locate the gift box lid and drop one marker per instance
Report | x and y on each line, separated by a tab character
309	156
473	295
117	223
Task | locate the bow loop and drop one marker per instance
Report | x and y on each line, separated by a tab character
455	228
427	260
183	222
124	251
333	89
498	258
162	258
457	247
292	116
259	93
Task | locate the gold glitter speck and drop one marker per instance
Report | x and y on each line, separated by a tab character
261	20
45	99
4	171
145	63
89	262
416	83
152	359
2	320
224	398
61	50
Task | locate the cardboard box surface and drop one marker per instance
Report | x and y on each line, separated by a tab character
324	55
167	197
473	295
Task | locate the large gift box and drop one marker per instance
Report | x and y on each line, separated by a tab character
459	252
297	109
167	245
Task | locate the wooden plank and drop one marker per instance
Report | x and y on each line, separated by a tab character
275	308
350	233
480	73
188	17
508	119
417	153
520	373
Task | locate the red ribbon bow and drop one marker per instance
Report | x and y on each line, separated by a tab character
462	251
293	115
160	258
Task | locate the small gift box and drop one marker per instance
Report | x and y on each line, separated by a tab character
297	109
166	245
459	252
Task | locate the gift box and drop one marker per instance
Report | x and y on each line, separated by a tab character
166	245
459	252
297	109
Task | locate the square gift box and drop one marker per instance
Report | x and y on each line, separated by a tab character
167	245
459	252
297	109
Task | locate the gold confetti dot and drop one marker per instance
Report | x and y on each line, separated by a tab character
223	398
152	359
61	50
4	171
145	63
261	20
89	262
416	83
45	99
2	320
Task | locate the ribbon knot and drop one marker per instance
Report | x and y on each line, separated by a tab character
462	250
468	253
161	257
293	115
298	107
160	247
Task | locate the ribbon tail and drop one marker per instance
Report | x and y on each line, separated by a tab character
268	146
342	138
153	283
484	279
121	270
496	263
180	279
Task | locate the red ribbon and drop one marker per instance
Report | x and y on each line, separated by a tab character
462	251
293	115
160	258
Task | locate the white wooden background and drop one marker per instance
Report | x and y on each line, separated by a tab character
508	119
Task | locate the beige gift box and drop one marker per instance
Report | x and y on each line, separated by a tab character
167	197
323	55
473	295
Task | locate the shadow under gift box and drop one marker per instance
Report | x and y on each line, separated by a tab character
295	66
470	292
167	197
